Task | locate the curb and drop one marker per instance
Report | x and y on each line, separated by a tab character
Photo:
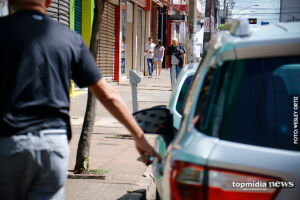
145	185
85	176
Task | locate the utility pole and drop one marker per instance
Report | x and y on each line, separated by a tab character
207	31
225	8
192	28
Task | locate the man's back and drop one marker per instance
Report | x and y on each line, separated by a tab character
38	58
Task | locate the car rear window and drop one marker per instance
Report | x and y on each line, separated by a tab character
255	102
259	102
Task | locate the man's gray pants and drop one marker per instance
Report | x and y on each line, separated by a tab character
34	166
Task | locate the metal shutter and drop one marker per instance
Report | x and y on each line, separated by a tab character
154	22
60	11
78	16
106	47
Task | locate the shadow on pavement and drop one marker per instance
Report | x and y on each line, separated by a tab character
134	195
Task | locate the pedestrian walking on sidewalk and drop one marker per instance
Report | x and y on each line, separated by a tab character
123	56
158	57
149	52
38	58
178	51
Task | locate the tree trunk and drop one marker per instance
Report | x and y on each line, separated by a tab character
192	30
83	150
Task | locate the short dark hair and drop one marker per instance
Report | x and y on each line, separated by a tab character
150	38
159	43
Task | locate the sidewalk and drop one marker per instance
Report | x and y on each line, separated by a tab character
110	151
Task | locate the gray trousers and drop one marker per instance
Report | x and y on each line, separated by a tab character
34	166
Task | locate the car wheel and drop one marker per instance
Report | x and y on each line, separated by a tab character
157	195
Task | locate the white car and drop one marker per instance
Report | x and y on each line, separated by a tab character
239	134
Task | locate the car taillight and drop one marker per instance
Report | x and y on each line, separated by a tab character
189	181
186	181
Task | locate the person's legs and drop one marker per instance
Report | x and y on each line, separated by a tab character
171	75
156	70
17	167
178	70
33	167
159	67
53	167
123	66
149	62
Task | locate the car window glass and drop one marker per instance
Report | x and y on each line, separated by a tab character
203	98
205	115
183	93
257	106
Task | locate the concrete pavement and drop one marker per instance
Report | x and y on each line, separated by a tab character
110	151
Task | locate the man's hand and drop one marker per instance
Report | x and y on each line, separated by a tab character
145	149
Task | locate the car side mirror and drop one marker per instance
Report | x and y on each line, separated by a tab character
157	120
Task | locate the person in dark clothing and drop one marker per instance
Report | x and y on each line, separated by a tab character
38	58
178	51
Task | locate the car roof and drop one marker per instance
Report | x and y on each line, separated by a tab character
282	39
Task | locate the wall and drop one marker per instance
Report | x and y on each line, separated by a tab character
289	10
87	20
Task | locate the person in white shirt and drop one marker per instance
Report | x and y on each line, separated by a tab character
150	54
158	57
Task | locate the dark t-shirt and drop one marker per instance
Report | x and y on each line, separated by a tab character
38	57
177	51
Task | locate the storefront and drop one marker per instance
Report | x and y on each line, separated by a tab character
106	46
59	10
177	24
134	33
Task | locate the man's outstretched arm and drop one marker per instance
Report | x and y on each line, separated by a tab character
113	102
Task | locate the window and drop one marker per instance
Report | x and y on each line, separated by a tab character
183	92
251	102
257	107
3	8
201	114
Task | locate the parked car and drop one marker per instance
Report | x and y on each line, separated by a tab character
238	137
175	105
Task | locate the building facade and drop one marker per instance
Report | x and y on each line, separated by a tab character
133	20
289	10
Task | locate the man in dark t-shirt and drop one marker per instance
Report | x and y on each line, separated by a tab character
178	51
38	58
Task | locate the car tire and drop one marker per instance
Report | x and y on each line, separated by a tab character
157	195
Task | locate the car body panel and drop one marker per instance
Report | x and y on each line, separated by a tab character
277	163
268	41
192	146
